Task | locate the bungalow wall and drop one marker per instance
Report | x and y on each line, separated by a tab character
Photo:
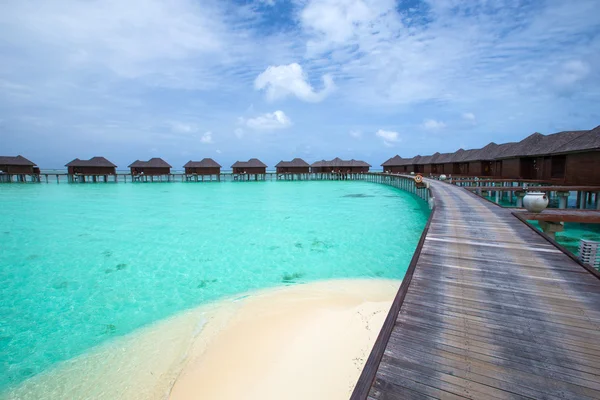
17	169
474	168
203	170
293	170
446	169
151	170
91	170
511	168
395	170
583	168
427	169
460	168
250	170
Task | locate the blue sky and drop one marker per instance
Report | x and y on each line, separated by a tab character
275	79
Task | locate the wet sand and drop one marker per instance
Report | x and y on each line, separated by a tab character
293	342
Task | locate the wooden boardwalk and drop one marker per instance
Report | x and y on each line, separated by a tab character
493	311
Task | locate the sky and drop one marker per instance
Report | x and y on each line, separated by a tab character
277	79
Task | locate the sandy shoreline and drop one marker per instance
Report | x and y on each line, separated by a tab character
294	342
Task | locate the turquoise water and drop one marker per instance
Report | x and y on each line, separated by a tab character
573	233
82	264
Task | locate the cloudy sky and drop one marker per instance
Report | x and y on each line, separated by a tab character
275	79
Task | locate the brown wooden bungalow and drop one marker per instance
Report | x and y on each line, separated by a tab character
395	165
153	167
337	165
578	161
95	166
442	164
253	167
525	159
296	166
207	166
570	157
17	166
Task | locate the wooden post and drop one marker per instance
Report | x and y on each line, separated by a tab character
562	199
582	200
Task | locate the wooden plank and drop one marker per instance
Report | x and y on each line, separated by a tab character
493	310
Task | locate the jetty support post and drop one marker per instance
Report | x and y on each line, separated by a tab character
562	199
550	228
520	194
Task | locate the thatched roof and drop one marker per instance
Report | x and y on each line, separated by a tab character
251	163
296	162
205	163
533	145
443	158
151	163
18	160
338	162
588	140
92	162
393	162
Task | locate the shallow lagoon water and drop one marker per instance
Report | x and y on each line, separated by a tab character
82	264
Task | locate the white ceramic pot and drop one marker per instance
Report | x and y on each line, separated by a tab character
412	173
535	201
442	177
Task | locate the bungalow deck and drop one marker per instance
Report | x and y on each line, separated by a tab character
488	309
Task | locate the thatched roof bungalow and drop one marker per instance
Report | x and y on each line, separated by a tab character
155	166
17	165
94	166
207	166
252	166
296	166
569	157
338	165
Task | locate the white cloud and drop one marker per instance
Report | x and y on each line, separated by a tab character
469	116
207	138
218	151
239	132
268	121
389	137
282	81
182	127
433	125
570	75
355	134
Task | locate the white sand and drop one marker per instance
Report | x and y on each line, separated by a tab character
297	342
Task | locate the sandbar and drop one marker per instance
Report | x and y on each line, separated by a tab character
303	341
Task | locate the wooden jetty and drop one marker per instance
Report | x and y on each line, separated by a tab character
488	309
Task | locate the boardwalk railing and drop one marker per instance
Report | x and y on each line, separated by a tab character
404	182
367	376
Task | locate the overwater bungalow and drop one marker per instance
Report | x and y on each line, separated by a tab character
337	165
201	170
395	165
253	167
207	166
570	157
566	157
19	168
296	166
295	169
153	167
90	170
